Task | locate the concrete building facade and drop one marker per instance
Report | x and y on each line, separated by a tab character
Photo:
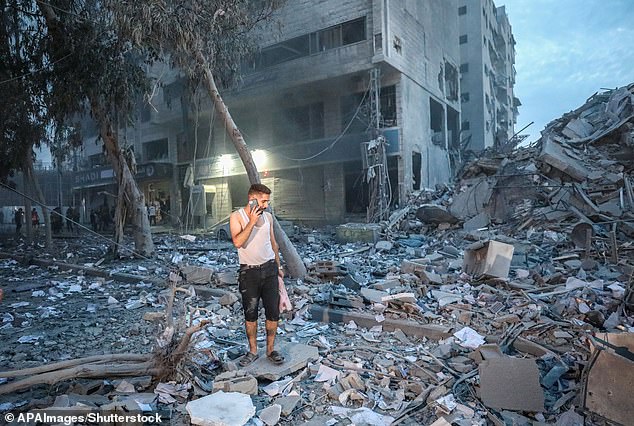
303	105
487	72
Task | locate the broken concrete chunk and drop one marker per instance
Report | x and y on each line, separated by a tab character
197	274
221	409
236	381
228	299
610	377
402	297
511	383
296	357
383	246
358	232
271	414
374	296
490	258
430	213
479	221
288	404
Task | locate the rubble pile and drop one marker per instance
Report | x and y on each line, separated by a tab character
505	299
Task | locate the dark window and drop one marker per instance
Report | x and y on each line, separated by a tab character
388	106
97	160
146	113
464	97
463	39
352	110
155	150
353	31
416	170
466	125
464	68
339	35
299	123
285	51
398	45
462	10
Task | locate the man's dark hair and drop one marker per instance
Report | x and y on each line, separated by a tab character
258	188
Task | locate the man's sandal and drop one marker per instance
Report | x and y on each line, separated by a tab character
248	359
275	357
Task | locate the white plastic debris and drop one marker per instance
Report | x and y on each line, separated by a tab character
469	338
29	339
326	374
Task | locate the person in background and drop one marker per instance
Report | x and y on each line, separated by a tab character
69	219
35	218
19	219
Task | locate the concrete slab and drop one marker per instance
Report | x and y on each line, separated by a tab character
197	274
358	232
411	328
288	404
511	384
221	409
296	357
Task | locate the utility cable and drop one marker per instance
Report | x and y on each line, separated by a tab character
43	206
338	138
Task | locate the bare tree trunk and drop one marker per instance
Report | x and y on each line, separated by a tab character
27	202
39	196
142	234
129	192
294	263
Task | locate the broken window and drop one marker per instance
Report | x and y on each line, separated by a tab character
155	150
451	82
398	45
388	106
339	35
353	31
329	38
437	119
97	160
463	39
351	110
416	172
378	42
299	123
285	51
462	10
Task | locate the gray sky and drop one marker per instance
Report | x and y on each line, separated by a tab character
566	51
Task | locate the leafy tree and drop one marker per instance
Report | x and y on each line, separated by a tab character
204	39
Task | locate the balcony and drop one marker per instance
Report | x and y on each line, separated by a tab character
305	153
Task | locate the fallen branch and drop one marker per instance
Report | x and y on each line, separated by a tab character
160	365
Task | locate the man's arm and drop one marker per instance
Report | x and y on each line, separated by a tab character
240	235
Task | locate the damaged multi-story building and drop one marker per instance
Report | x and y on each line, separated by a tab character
487	75
348	108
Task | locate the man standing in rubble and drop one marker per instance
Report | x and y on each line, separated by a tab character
252	234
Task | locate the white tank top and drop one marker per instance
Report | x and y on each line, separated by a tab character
257	250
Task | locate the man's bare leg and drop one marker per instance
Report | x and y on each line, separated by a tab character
252	331
271	331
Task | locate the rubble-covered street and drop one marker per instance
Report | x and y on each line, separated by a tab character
506	298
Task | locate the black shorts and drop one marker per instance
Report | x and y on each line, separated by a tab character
257	283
